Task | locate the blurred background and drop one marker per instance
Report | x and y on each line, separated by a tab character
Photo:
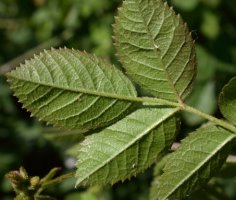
28	26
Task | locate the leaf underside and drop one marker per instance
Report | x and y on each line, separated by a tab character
227	101
156	48
71	89
200	156
125	148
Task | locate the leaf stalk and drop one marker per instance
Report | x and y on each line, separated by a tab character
211	118
186	108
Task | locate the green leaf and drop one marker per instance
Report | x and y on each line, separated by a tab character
71	89
211	25
125	148
65	137
156	48
198	158
81	196
188	5
212	3
227	101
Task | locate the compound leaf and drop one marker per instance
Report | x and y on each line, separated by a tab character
198	158
227	101
156	48
71	89
125	148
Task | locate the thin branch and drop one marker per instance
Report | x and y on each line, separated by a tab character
55	181
211	118
58	180
154	101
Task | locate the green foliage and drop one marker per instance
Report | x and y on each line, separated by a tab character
27	187
227	101
155	48
186	5
125	148
126	128
63	86
200	157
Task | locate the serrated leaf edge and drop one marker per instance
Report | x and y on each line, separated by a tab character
157	123
200	165
191	82
89	92
222	95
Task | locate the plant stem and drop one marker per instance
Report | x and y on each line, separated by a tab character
58	180
47	184
213	119
188	108
151	100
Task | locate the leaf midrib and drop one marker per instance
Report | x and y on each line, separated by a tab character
200	165
140	136
134	99
155	48
80	90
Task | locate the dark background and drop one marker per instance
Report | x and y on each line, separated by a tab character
27	26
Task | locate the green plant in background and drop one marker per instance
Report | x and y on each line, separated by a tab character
23	25
125	130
